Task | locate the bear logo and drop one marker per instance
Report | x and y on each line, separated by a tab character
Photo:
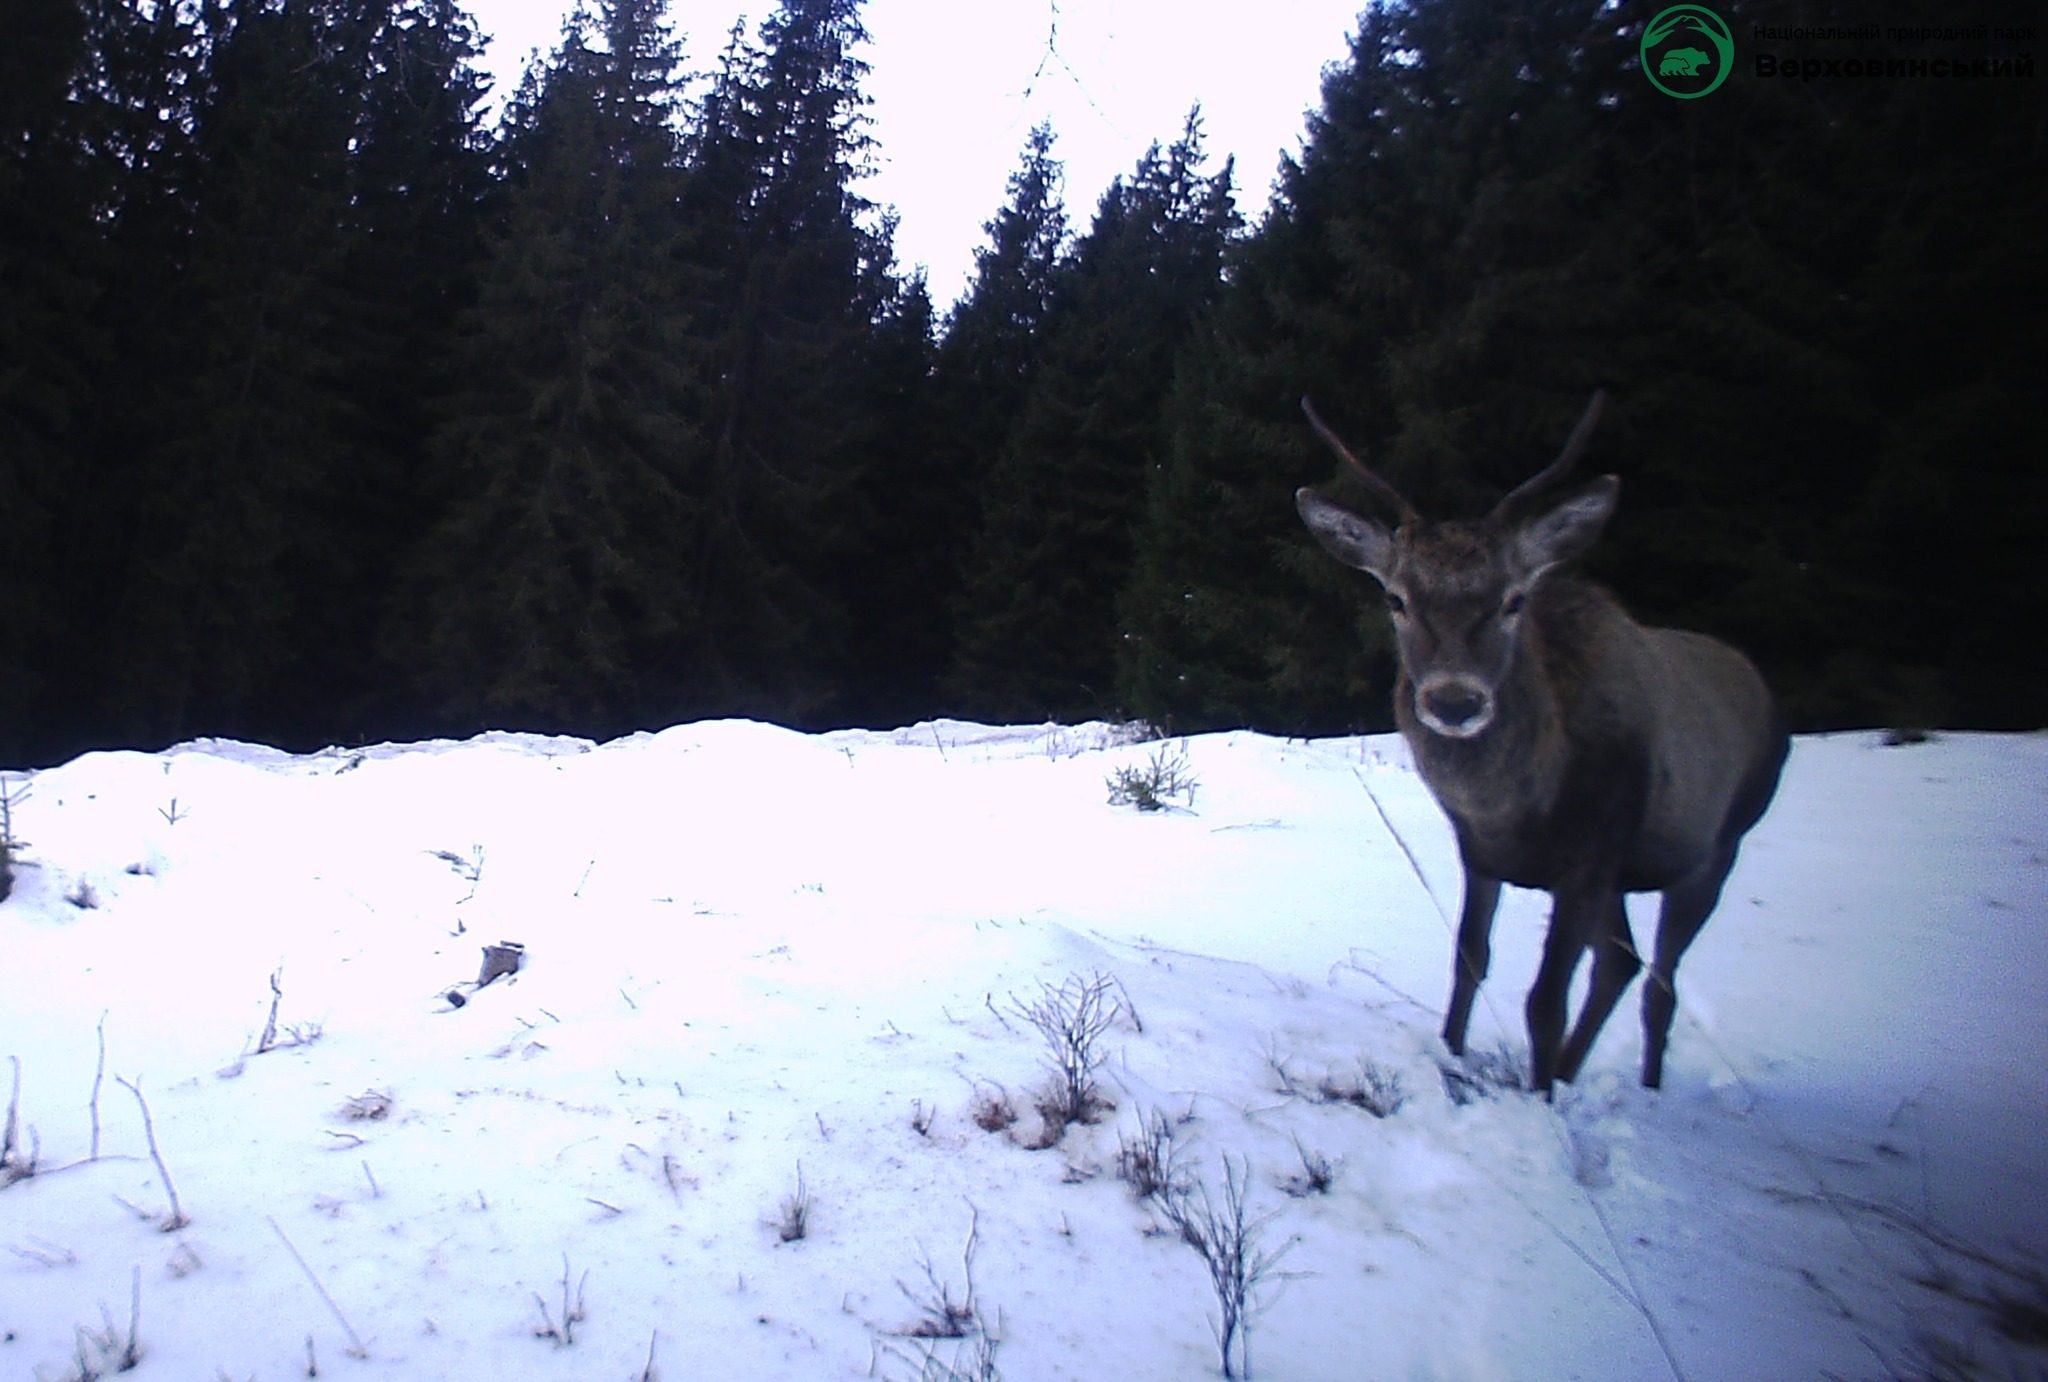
1683	62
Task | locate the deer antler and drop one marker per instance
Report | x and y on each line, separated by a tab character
1543	479
1358	467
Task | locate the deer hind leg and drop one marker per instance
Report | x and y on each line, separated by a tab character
1615	964
1685	911
1475	952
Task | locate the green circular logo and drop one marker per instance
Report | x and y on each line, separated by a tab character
1687	51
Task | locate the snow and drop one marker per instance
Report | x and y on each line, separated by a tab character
753	955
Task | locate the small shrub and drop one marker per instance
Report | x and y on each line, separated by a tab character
1373	1087
943	1319
940	1316
1146	1162
1316	1177
994	1111
1164	776
1484	1073
795	1223
1227	1241
1072	1018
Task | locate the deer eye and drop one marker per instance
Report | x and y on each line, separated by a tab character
1512	606
1395	604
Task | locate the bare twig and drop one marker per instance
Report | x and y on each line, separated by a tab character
13	1166
572	1309
99	1071
942	1316
132	1354
178	1219
796	1211
269	1037
356	1349
45	1254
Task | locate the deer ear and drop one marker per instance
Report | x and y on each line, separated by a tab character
1558	534
1355	541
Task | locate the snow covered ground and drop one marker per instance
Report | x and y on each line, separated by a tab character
756	958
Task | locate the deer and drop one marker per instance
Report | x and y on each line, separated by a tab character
1574	750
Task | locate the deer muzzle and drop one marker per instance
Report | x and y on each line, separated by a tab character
1456	707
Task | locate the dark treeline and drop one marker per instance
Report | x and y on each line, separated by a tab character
329	414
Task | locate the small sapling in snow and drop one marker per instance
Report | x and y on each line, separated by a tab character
1166	775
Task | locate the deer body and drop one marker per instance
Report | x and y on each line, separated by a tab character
1574	750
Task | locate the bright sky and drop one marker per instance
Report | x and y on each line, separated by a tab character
957	87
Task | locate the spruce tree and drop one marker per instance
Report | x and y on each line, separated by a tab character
420	190
1038	609
981	373
799	328
553	581
249	425
51	257
992	338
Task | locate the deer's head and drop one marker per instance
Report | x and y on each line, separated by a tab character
1459	591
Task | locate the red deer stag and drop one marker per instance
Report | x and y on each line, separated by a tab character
1573	749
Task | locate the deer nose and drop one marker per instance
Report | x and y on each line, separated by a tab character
1456	705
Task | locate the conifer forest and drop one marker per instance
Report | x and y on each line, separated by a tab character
333	410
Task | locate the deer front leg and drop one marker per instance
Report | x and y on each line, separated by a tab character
1574	919
1615	963
1475	952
